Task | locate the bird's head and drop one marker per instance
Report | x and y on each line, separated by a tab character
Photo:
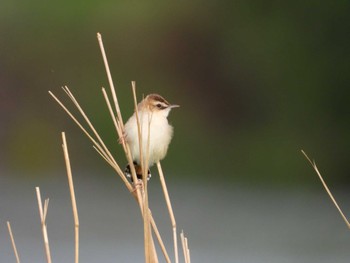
156	104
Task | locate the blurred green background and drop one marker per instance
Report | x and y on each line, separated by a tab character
256	80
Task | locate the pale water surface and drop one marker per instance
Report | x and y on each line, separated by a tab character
242	223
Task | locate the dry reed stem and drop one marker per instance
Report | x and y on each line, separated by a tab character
13	242
147	225
118	126
313	164
76	121
105	149
110	80
150	251
105	154
131	163
185	248
145	179
118	123
170	210
187	251
72	194
43	214
160	241
115	121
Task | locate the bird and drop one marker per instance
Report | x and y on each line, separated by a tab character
156	132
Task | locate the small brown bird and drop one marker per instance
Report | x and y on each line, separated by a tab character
156	132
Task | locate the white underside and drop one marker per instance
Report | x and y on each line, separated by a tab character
156	136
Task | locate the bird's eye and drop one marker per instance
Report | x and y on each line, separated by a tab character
159	106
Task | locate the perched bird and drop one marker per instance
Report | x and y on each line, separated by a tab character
156	132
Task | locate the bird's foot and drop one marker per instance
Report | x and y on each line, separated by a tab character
138	170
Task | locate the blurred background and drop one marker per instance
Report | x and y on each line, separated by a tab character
257	82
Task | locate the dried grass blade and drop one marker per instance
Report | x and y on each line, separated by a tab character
119	130
110	80
313	164
13	242
150	252
43	213
77	122
90	124
160	241
72	194
170	210
118	123
115	121
100	145
185	248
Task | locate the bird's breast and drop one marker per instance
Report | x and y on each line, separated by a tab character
156	135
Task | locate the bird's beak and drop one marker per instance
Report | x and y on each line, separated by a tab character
174	106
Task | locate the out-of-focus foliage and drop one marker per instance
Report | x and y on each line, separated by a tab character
256	81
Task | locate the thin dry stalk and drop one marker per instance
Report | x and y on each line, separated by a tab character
87	120
145	180
119	125
13	242
313	164
72	194
110	80
170	210
150	251
131	163
101	150
185	248
160	241
43	214
116	123
149	244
